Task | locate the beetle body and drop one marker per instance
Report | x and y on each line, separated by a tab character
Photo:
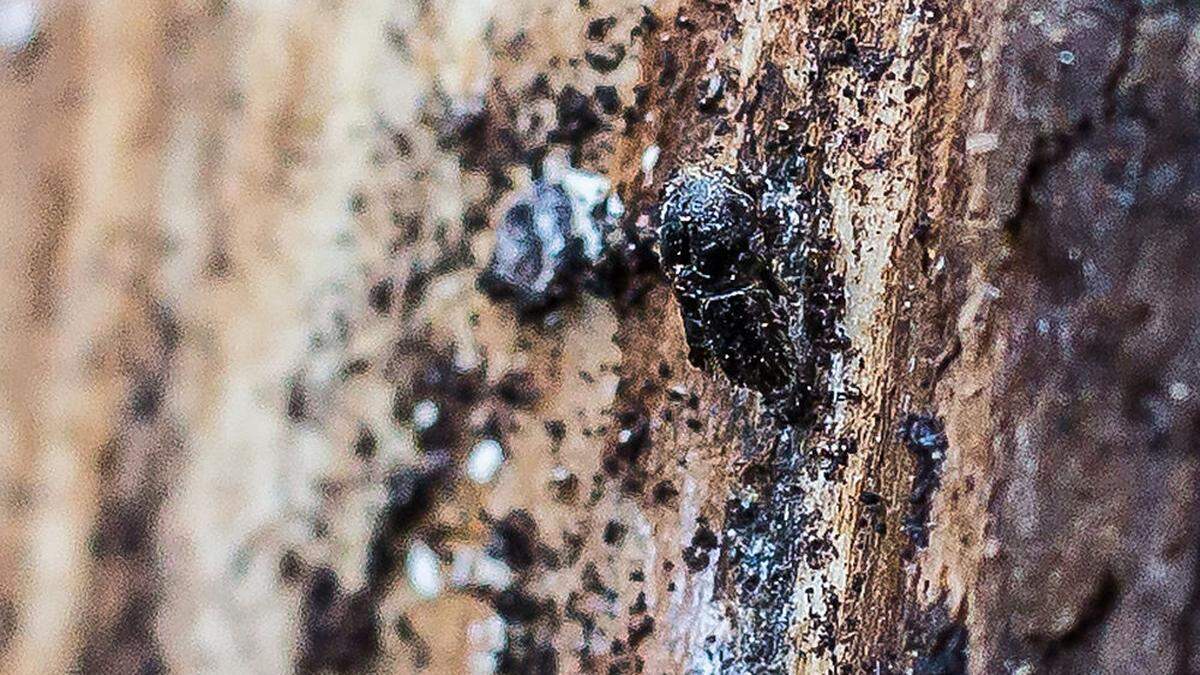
736	312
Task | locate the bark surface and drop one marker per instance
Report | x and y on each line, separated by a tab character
246	362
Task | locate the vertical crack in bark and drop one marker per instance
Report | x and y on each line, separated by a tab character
1050	150
1112	83
1090	620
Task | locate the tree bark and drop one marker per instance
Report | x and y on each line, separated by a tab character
247	360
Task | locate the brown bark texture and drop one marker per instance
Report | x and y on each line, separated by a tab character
265	408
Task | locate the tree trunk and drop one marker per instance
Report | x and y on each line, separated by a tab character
254	374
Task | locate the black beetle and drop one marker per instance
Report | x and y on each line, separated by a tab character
736	314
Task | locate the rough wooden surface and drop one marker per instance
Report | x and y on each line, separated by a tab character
243	248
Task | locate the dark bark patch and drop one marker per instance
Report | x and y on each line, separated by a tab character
924	437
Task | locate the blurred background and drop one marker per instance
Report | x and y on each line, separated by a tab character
255	414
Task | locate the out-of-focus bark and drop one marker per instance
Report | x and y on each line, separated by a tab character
242	249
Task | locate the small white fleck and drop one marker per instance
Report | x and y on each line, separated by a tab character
650	160
18	23
424	573
485	460
471	567
461	567
982	142
588	192
465	359
493	573
991	548
425	414
1179	391
1043	326
1066	57
485	639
